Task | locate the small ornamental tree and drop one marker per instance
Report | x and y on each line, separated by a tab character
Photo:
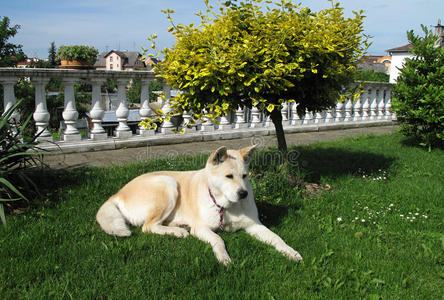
244	54
418	96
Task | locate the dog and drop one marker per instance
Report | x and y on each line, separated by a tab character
219	196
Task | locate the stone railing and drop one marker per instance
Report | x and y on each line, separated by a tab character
371	109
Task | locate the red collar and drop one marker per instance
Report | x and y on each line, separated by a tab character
221	209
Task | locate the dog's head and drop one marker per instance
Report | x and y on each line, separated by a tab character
228	174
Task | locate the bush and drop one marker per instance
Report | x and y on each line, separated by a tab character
418	96
371	75
15	159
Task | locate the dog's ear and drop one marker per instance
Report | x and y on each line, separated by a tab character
247	152
218	156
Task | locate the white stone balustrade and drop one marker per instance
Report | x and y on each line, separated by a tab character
373	107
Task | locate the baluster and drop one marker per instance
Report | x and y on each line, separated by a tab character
255	118
186	120
294	117
97	112
41	114
339	116
239	120
207	125
357	110
145	110
284	112
329	115
365	105
348	110
380	105
122	131
308	118
70	113
167	126
225	123
388	114
373	100
9	97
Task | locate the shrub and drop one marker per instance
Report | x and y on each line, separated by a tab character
418	96
371	75
15	159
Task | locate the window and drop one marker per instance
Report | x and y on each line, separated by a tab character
111	66
111	59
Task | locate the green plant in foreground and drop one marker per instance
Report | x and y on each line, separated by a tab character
85	53
15	158
418	96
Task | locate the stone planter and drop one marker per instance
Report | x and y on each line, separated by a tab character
75	64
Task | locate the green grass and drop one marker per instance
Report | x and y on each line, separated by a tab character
57	250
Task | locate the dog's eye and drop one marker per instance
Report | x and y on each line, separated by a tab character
244	176
229	176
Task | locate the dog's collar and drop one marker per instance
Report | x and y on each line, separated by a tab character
221	209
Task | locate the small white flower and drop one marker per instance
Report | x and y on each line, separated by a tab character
416	214
356	218
363	220
339	219
425	217
391	205
402	216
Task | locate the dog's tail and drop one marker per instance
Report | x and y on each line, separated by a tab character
111	219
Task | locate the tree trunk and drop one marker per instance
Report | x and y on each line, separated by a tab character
276	118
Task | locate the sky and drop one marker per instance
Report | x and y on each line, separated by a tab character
125	24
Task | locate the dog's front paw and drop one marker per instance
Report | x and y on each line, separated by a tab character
224	259
291	253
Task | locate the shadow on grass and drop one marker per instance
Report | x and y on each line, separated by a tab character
271	214
414	142
338	162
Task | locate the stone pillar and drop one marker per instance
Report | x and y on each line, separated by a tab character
357	110
70	114
239	120
294	117
9	96
373	100
388	114
207	125
186	121
348	110
284	113
365	105
380	105
339	115
308	118
97	112
255	121
225	123
41	114
329	116
167	127
122	131
145	110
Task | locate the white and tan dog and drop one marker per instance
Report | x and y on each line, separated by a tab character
218	196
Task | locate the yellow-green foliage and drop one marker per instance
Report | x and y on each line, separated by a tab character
262	53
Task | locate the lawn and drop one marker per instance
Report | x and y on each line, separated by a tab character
366	213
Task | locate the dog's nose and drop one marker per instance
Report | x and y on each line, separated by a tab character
242	194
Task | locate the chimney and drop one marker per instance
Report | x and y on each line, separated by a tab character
439	31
